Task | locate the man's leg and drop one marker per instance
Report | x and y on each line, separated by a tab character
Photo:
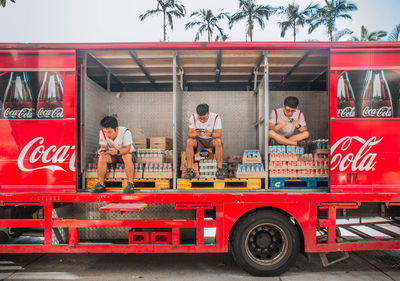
219	154
102	167
129	167
191	144
281	139
300	136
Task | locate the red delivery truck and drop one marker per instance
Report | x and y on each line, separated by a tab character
338	191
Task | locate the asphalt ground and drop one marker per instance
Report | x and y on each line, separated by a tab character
368	265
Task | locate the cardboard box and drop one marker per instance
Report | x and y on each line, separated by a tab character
138	175
140	143
252	160
251	175
163	143
149	160
157	175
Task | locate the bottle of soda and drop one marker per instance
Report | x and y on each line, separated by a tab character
50	98
17	103
345	98
377	99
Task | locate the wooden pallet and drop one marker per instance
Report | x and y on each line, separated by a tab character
227	183
139	183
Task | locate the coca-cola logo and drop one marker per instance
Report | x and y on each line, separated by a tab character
50	113
344	154
384	111
347	112
38	156
23	113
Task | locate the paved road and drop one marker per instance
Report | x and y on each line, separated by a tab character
371	265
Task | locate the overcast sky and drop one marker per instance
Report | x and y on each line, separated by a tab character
54	21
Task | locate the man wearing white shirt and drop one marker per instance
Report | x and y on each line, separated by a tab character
283	123
115	147
205	131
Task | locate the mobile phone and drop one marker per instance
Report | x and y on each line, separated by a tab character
291	120
200	130
103	150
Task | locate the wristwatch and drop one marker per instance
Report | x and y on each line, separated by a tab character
299	127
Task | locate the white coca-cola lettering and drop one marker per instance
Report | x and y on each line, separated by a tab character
360	161
381	112
35	151
50	113
23	113
347	112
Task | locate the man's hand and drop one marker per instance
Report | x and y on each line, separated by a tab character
102	151
284	123
112	151
207	133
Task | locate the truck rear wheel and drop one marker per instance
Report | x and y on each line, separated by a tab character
265	243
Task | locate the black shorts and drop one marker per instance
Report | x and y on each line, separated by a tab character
118	158
204	143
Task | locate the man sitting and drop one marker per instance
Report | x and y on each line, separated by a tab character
283	122
205	131
115	147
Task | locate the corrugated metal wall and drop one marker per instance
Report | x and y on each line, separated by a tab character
149	114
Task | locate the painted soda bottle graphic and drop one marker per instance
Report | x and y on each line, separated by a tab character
50	98
377	99
17	103
345	98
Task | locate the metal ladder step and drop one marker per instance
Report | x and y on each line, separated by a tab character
124	207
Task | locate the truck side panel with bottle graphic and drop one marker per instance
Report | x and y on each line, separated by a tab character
364	139
38	95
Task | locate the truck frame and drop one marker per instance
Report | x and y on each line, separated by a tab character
265	228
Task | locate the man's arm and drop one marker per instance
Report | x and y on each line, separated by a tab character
193	133
277	127
217	134
303	129
125	150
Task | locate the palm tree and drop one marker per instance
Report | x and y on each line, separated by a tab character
207	22
373	36
169	9
221	38
394	35
327	15
249	10
4	2
294	17
340	33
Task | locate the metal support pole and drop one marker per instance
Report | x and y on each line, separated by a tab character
266	110
109	81
175	121
82	118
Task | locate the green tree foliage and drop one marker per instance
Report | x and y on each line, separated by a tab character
207	23
366	36
169	9
4	2
328	14
252	13
294	17
394	35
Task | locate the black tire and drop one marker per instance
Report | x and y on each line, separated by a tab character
265	243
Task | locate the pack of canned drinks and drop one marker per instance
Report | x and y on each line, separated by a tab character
253	167
251	153
291	149
150	153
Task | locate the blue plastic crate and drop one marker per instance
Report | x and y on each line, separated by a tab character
298	183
